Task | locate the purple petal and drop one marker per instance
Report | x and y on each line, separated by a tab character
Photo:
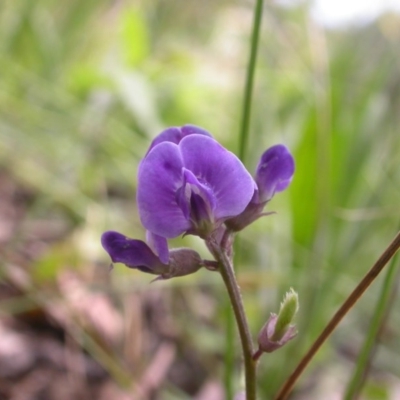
173	134
274	172
133	253
159	245
193	129
221	170
160	176
196	200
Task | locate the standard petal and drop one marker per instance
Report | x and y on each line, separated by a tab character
160	176
175	134
274	172
193	129
133	253
221	170
172	134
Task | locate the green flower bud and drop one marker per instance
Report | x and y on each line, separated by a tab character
287	311
278	330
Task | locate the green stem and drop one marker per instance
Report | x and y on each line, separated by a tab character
343	310
248	89
228	276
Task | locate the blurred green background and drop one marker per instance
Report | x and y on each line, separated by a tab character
84	87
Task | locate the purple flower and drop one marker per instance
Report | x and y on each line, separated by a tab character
273	174
138	255
188	183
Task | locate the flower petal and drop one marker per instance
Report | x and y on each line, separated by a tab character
175	134
133	253
160	175
172	134
274	172
217	167
196	200
193	129
159	245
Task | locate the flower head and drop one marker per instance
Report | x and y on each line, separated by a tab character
188	183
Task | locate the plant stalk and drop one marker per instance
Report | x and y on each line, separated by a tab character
228	276
343	310
382	309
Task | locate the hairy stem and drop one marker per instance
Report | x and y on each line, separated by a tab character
343	310
228	275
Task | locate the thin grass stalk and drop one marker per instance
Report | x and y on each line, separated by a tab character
229	378
380	315
248	89
343	310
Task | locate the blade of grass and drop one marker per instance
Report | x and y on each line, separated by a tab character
248	89
378	319
243	141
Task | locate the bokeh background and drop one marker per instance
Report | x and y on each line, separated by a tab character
84	87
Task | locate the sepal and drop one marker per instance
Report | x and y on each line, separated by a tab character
278	330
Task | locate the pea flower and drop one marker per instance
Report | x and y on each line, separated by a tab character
137	254
273	174
189	184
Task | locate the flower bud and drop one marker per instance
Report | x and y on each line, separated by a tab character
274	172
278	329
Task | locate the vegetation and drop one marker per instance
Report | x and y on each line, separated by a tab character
84	87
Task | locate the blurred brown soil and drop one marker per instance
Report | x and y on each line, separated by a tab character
66	339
